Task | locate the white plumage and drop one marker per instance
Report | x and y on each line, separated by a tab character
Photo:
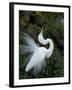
38	54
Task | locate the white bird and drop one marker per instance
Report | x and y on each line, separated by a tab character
38	54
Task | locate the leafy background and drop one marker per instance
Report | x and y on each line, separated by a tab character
31	22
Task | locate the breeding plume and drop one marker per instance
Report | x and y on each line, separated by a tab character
36	54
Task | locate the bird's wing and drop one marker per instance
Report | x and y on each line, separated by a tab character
35	60
25	49
29	40
31	45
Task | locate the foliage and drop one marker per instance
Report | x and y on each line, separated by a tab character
31	22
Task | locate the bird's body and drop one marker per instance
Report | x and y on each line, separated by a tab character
37	60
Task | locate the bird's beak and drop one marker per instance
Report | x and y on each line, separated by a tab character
42	29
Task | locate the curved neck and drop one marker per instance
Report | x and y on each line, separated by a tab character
51	47
50	43
44	42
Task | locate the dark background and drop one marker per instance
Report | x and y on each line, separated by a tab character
31	22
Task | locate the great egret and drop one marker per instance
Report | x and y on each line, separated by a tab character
37	54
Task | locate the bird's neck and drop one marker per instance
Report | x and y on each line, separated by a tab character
51	47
